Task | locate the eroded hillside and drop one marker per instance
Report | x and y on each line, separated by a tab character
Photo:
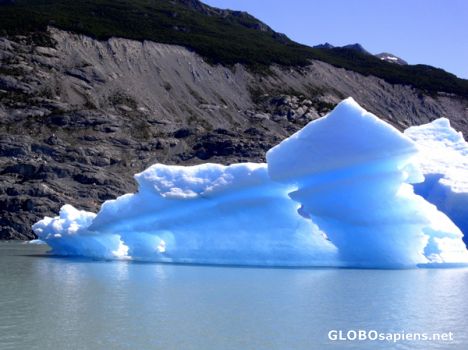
78	117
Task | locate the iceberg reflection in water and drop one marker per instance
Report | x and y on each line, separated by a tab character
56	303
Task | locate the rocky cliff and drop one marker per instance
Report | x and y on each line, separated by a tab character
78	116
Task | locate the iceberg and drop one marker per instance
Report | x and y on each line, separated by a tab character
353	174
337	193
443	159
207	214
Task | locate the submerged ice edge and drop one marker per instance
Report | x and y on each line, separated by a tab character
260	264
337	193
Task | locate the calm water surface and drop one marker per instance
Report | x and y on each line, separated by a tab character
56	303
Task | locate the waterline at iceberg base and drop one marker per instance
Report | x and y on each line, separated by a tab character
339	192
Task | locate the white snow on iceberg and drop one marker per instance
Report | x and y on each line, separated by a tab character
443	159
336	193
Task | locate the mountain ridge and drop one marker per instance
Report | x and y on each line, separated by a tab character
385	56
221	36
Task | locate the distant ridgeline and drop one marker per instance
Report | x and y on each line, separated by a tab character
220	36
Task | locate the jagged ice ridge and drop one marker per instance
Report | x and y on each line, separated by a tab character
337	193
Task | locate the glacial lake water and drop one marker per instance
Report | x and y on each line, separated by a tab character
57	303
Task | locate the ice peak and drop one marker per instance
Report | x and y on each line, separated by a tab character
348	135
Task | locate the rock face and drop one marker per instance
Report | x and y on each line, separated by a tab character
79	117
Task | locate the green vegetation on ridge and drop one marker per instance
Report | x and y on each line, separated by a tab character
225	37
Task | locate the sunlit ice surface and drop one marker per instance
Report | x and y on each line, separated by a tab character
339	192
